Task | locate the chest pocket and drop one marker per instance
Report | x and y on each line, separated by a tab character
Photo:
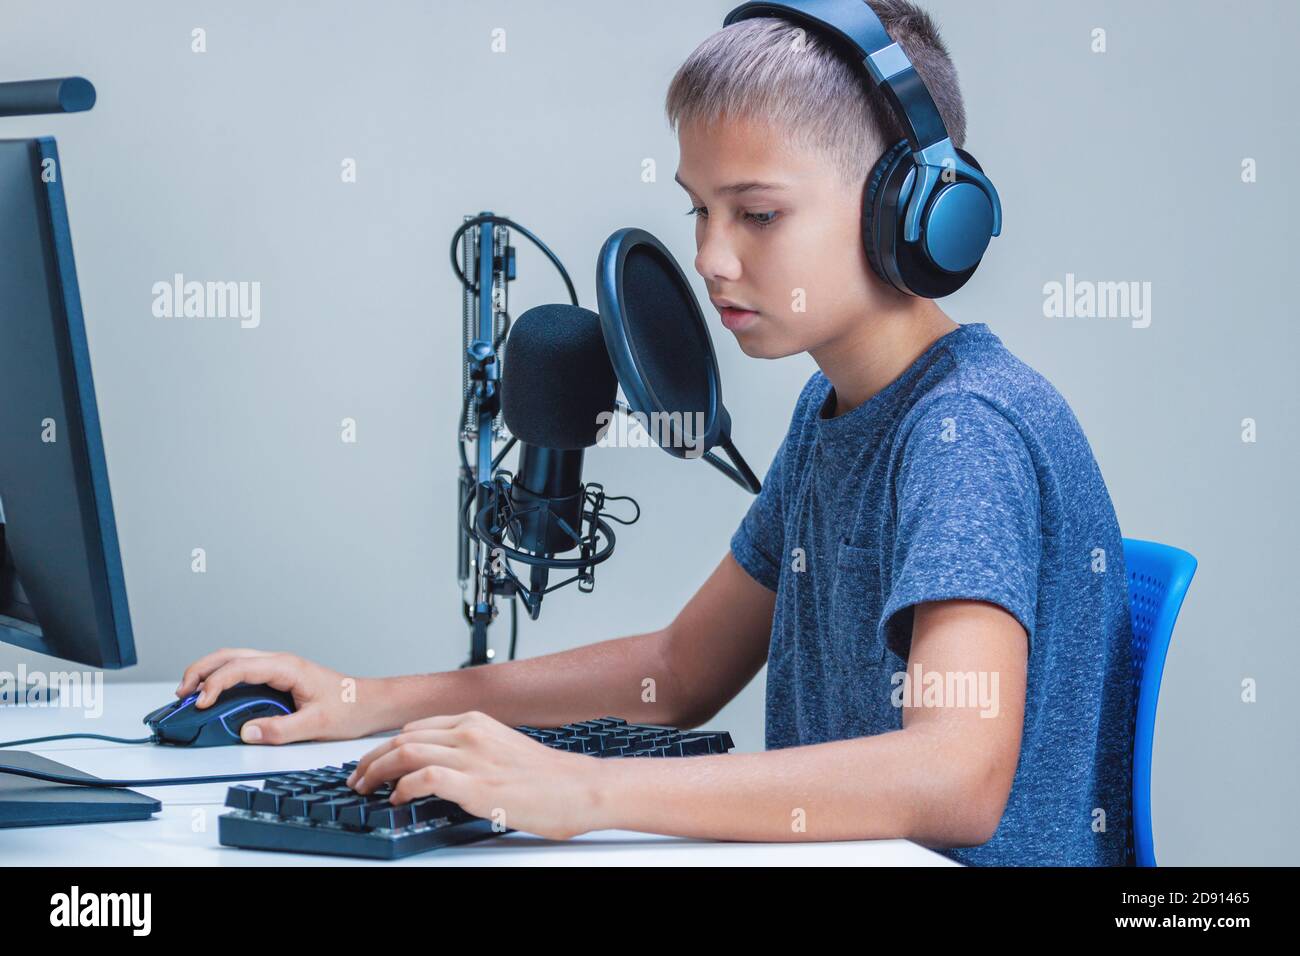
853	630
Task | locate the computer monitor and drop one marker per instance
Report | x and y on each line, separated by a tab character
62	590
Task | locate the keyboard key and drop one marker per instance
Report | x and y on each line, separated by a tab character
428	809
390	817
328	811
268	800
357	814
300	806
241	797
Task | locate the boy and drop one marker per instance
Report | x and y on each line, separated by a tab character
933	572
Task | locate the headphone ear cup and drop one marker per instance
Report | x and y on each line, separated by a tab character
903	265
876	219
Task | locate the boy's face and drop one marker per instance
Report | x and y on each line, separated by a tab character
804	275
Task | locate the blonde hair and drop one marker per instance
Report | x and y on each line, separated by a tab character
772	71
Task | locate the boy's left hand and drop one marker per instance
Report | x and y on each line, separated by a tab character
491	770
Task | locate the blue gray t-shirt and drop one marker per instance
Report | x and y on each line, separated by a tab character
968	476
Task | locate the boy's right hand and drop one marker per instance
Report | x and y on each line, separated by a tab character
330	705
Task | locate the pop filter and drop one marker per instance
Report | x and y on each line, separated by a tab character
661	351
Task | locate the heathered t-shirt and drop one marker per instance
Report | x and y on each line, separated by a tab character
968	476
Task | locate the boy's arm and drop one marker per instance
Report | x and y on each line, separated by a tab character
679	676
942	780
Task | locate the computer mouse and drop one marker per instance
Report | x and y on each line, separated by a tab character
182	724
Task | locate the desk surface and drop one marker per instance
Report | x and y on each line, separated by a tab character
184	833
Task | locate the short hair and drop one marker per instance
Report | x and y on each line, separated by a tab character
767	69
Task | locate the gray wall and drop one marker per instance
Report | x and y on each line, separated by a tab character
226	165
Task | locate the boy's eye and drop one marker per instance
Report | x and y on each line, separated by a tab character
760	219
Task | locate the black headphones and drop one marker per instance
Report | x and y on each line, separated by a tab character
928	210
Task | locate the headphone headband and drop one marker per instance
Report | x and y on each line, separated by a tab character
857	29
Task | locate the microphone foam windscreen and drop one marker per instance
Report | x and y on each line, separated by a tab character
556	378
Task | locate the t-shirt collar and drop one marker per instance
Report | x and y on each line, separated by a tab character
855	420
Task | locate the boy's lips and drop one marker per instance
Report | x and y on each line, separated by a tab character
734	317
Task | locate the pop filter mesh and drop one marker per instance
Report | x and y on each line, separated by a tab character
667	335
557	378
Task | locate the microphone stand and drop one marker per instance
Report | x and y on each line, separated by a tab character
485	321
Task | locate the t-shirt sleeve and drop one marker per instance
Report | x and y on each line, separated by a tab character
759	542
967	517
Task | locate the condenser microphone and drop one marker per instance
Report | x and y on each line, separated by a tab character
558	389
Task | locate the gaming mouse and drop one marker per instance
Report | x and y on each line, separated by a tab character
182	724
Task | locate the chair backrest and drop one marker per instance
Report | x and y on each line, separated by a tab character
1158	577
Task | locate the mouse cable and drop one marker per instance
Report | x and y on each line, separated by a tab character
153	738
143	782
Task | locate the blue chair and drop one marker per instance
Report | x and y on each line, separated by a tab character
1158	577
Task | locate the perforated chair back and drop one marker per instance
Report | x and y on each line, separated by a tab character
1158	578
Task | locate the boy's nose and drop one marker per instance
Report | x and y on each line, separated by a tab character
716	260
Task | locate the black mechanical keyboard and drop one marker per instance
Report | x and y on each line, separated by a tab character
314	811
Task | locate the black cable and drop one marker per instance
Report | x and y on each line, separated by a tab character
514	625
611	517
153	738
502	453
511	224
505	331
143	782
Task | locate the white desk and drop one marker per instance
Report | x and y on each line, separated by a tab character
184	833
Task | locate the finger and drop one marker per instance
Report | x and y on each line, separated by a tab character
195	673
207	664
435	781
407	759
442	721
302	725
277	671
445	738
